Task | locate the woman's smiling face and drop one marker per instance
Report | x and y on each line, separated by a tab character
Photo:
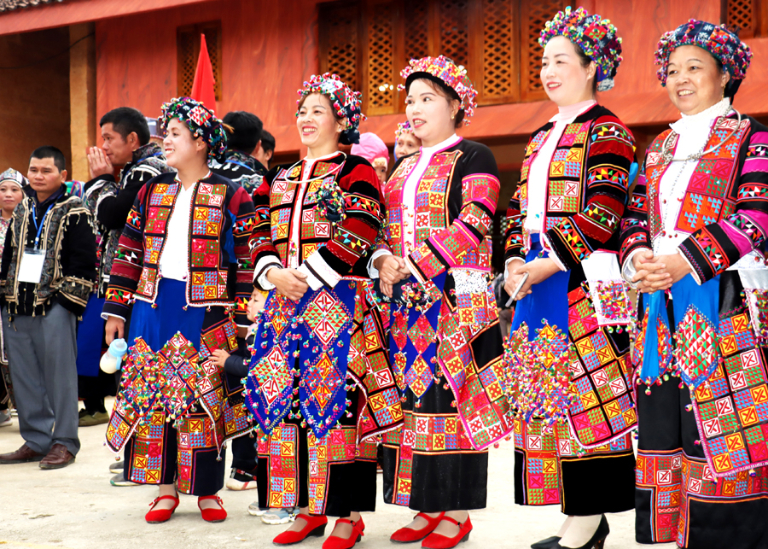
695	81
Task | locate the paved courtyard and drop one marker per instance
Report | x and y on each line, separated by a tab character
76	508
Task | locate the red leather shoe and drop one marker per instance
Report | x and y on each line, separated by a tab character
315	526
156	516
439	541
335	542
409	535
212	514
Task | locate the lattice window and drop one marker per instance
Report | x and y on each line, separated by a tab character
338	40
454	31
368	42
534	15
748	17
500	74
188	51
416	30
380	62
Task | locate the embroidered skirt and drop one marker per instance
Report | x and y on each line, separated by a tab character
321	387
575	451
695	485
187	448
447	348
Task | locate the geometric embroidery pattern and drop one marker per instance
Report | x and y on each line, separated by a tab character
731	406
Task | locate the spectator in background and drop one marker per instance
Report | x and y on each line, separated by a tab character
48	272
11	193
373	149
266	150
405	141
126	147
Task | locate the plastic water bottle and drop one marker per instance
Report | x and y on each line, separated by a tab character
111	360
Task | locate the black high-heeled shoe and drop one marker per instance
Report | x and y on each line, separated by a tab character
549	543
598	538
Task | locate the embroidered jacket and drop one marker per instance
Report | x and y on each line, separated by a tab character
727	183
240	168
455	203
110	201
588	182
220	270
329	250
69	244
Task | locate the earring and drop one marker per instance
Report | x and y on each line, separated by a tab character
453	116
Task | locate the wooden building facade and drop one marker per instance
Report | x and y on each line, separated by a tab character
63	64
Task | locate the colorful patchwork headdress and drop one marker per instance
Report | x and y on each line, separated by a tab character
346	102
200	120
452	75
597	38
402	129
14	177
721	43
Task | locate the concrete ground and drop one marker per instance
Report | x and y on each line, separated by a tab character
76	508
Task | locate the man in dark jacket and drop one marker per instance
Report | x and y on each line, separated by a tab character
47	274
243	141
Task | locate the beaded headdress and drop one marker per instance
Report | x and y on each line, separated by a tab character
721	43
346	102
454	76
597	38
14	176
402	129
200	120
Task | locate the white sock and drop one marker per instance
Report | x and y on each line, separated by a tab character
580	531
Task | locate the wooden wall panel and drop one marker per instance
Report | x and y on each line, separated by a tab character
34	101
269	49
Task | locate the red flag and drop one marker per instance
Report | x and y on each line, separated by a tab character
203	87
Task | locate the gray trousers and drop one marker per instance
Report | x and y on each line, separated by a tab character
42	352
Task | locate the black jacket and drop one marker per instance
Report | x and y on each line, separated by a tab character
69	269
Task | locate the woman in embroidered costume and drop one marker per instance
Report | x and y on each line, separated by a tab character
568	350
434	266
405	141
183	272
320	384
11	193
693	241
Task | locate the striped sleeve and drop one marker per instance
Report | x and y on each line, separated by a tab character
241	207
356	234
480	194
609	158
713	248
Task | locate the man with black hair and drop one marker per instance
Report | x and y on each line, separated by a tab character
127	146
266	150
47	274
238	164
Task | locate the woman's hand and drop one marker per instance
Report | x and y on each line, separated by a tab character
392	269
220	357
538	271
289	282
115	325
660	272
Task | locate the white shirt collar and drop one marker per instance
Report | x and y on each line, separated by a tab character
696	123
451	141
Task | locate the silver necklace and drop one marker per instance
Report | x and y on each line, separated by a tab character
668	158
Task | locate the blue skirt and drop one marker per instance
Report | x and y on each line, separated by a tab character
90	335
156	325
547	300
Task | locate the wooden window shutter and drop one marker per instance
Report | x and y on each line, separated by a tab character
188	51
380	71
500	54
454	31
533	16
339	33
748	17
